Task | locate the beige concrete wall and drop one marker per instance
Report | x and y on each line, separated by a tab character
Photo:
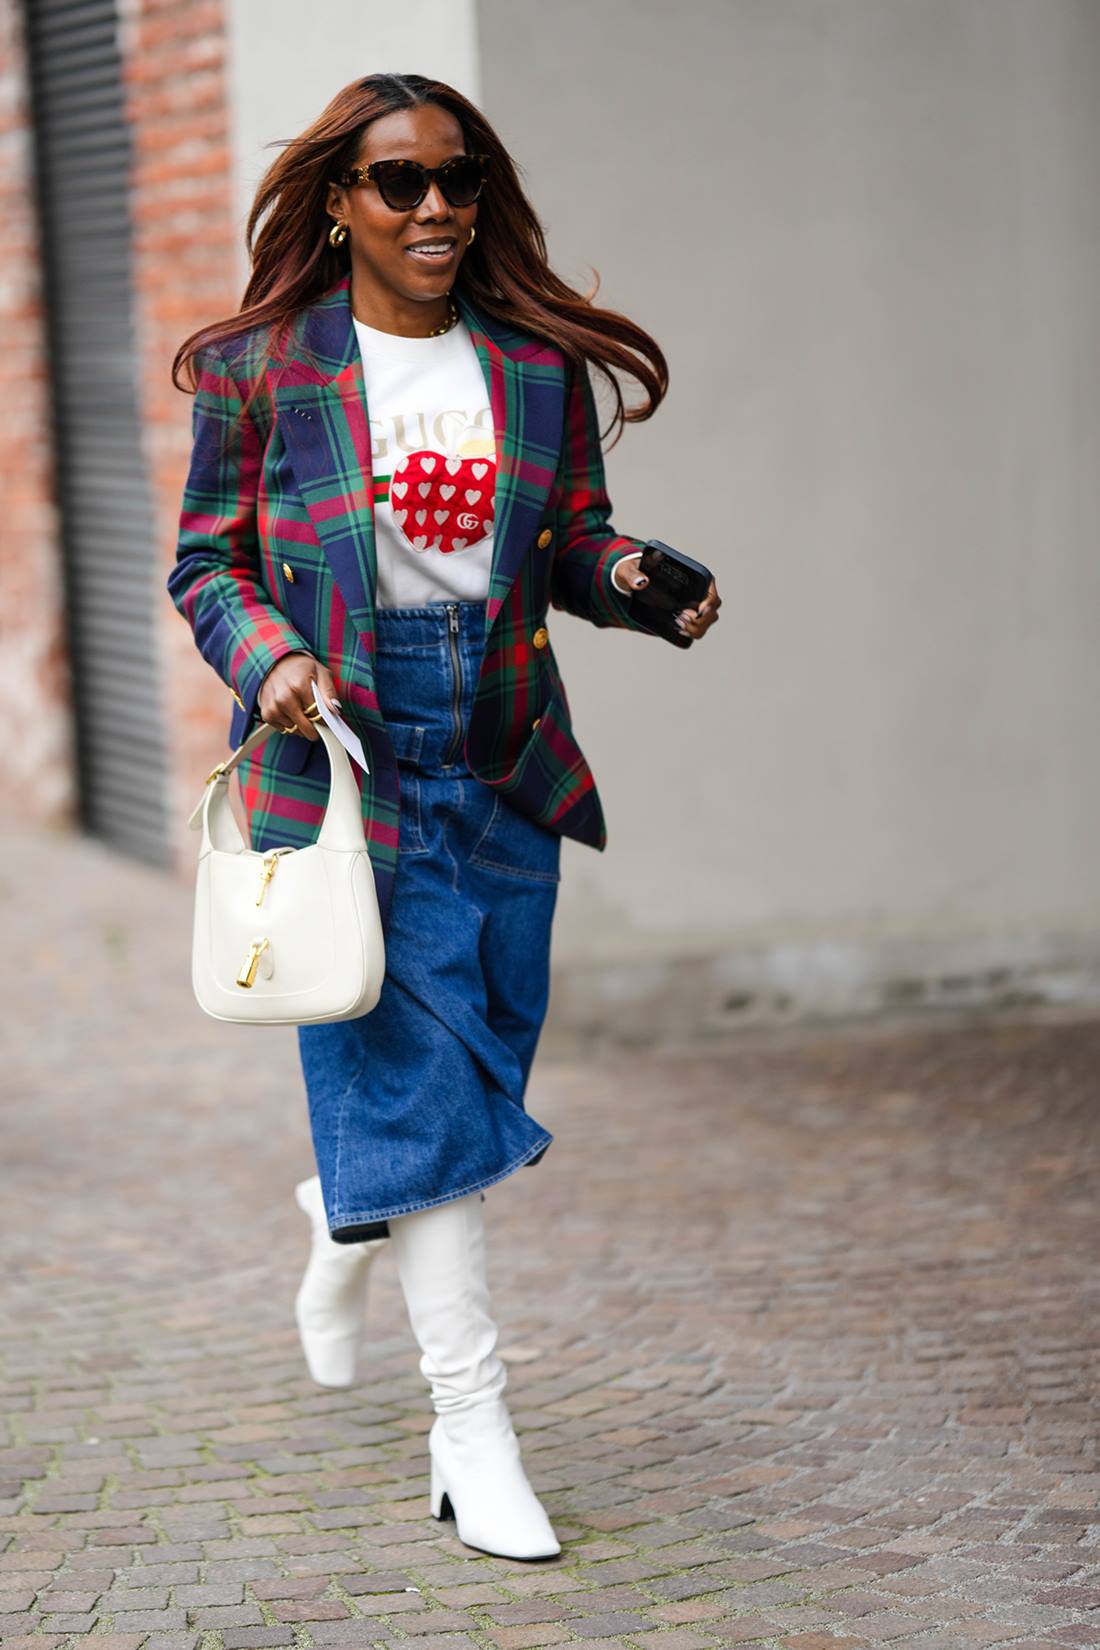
866	232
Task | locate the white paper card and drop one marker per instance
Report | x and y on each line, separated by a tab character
350	740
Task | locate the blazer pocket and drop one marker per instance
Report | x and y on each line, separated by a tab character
291	752
544	770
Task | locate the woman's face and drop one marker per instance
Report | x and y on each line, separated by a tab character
381	240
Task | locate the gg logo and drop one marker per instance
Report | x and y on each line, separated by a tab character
442	503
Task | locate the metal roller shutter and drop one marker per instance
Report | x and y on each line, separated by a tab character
112	578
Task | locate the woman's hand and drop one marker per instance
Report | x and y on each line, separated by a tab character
696	621
692	621
285	692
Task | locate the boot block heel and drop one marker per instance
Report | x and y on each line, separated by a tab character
500	1512
440	1501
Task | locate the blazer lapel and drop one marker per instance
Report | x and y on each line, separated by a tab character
526	394
321	407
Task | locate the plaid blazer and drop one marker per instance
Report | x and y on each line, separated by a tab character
276	552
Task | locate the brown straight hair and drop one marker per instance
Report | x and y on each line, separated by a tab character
505	272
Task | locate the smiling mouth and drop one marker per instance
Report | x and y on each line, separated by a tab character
433	252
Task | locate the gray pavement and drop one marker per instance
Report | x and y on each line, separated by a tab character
802	1331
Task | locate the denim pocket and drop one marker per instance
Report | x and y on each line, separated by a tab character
407	740
517	846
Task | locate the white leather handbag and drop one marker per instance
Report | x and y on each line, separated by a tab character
292	936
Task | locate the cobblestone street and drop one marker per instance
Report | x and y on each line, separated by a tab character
801	1331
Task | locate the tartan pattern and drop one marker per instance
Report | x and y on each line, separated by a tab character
220	583
294	490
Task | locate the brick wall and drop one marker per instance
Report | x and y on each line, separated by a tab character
37	781
185	275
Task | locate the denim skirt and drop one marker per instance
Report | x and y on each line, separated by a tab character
422	1100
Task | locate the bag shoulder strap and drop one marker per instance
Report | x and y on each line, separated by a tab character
224	769
342	825
245	748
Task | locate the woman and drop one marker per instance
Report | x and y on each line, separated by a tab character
401	562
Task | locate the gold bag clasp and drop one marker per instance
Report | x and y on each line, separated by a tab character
267	871
270	862
247	974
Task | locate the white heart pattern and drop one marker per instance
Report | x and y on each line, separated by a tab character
422	475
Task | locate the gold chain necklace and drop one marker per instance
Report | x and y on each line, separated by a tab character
451	321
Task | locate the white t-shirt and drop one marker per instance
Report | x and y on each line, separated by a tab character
433	455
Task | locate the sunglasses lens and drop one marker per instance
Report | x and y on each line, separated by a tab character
400	185
461	180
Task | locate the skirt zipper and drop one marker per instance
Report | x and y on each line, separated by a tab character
456	702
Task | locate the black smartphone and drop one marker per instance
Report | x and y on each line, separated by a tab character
675	581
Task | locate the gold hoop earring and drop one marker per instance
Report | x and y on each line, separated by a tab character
338	234
473	232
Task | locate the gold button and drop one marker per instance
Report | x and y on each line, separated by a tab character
541	636
535	723
544	538
238	698
288	572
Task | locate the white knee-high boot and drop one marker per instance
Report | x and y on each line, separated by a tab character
331	1304
474	1453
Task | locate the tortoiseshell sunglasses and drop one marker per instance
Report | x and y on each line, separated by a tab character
403	184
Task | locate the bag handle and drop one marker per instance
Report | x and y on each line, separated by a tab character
342	825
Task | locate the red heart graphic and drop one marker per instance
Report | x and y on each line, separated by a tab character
443	503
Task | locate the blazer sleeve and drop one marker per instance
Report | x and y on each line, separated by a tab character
587	544
217	583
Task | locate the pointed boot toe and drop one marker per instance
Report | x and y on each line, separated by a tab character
478	1479
476	1470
